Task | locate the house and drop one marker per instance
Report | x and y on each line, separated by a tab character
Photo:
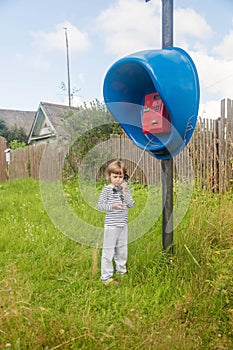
48	123
41	126
18	118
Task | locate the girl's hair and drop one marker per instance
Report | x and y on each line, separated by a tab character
116	167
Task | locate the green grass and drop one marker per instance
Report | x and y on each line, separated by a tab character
51	296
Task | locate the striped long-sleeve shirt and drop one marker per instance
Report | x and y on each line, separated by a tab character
115	217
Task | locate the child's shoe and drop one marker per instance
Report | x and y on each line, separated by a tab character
111	282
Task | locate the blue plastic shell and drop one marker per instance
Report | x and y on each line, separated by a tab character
172	73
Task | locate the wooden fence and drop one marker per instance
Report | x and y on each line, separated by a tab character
3	164
208	158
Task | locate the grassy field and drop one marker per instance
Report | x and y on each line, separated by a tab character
51	296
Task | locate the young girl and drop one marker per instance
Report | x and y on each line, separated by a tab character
115	199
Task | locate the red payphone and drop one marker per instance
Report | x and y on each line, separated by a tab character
155	117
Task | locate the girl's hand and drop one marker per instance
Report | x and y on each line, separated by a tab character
124	186
118	206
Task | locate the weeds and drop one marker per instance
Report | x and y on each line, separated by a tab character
52	297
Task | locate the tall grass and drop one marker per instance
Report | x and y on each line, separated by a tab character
51	296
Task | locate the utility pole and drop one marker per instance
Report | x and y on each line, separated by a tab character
167	164
68	66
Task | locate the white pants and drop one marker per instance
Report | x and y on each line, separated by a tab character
115	246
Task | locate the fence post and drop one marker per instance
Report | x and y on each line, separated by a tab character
3	164
229	142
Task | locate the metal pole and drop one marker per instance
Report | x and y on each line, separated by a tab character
68	66
167	23
167	165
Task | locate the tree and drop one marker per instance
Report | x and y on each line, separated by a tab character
17	133
87	127
14	133
3	129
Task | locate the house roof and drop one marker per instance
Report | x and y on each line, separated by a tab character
55	114
31	121
48	121
22	119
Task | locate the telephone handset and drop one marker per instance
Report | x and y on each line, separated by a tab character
118	189
126	178
155	117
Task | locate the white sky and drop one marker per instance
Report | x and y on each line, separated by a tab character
33	49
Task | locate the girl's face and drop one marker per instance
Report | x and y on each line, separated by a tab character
116	179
